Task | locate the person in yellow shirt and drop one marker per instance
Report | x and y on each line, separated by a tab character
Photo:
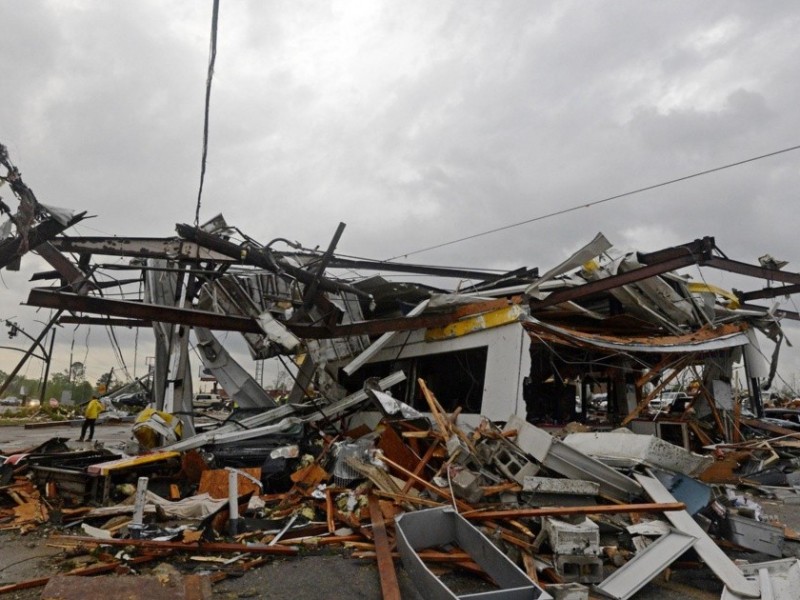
93	410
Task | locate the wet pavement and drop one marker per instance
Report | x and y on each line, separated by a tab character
16	438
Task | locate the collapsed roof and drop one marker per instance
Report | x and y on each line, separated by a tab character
621	307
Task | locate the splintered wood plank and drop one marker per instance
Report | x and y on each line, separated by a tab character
174	492
435	408
92	570
150	546
421	466
530	566
309	477
388	575
594	509
30	512
329	514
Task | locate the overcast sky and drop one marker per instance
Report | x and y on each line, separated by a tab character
413	122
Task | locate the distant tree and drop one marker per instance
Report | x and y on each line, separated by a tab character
82	392
59	382
109	381
20	382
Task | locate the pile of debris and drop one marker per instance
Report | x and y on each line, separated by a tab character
524	511
608	339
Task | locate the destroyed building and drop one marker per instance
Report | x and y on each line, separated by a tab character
518	343
507	356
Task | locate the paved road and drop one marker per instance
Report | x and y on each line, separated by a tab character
17	438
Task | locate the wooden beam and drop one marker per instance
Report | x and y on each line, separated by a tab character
439	492
712	405
106	321
655	370
329	514
679	366
555	511
383	551
214	547
421	465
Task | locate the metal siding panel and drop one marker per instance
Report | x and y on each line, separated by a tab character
647	564
714	557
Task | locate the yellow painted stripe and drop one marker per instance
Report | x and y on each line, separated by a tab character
697	288
134	461
495	318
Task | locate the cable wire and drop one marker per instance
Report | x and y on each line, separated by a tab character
596	202
212	59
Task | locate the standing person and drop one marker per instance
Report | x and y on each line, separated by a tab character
93	410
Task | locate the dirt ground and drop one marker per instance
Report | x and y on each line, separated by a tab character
323	575
318	576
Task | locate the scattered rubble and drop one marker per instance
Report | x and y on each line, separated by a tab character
400	487
544	436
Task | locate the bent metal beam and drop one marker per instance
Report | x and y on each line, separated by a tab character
219	322
138	310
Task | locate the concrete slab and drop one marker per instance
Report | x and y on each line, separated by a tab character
611	446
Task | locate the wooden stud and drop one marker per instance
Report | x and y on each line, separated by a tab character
388	575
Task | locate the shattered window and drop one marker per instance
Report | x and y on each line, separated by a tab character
456	378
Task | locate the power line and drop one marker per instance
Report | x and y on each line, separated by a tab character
594	203
211	60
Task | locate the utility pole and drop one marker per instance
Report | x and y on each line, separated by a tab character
49	357
69	370
37	342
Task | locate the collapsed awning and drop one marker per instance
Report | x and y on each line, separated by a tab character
702	340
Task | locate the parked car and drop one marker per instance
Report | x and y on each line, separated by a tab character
665	401
204	401
132	400
11	401
788	418
785	414
598	402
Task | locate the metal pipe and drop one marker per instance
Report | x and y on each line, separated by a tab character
137	524
47	367
233	502
285	528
